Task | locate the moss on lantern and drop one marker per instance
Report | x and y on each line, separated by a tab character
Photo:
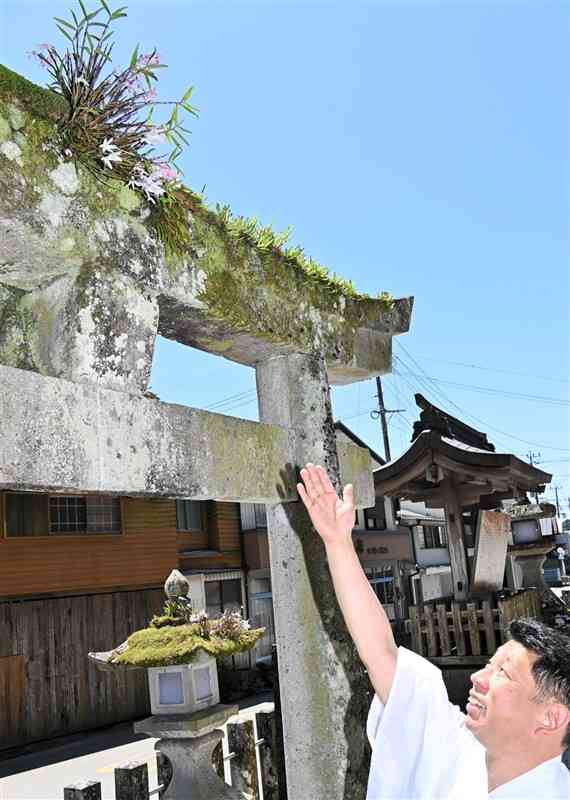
179	644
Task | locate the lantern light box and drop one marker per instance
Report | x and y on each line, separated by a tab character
184	688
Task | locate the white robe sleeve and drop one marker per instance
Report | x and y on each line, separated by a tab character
417	738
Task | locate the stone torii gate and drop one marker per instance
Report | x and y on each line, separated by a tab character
85	287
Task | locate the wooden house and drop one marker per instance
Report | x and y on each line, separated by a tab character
80	571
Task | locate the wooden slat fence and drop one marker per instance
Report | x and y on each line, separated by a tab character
449	628
47	685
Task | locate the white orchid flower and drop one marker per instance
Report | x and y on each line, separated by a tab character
110	159
107	146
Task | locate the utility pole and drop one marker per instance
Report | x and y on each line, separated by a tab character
382	411
557	503
531	456
383	423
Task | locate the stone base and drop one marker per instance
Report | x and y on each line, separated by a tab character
188	742
186	726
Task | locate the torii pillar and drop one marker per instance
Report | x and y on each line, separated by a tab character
323	684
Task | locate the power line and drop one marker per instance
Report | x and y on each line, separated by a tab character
473	416
232	398
503	392
495	369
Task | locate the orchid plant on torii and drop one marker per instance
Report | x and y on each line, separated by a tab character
104	128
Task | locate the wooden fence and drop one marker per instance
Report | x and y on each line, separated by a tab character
48	687
467	631
249	738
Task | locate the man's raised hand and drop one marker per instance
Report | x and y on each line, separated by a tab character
332	517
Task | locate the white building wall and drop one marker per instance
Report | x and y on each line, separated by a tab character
436	585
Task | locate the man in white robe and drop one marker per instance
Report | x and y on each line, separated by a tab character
509	744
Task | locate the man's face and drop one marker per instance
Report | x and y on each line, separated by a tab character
505	689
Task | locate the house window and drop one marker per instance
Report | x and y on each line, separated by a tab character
188	515
375	518
26	514
31	514
431	537
90	514
222	595
253	515
383	585
260	515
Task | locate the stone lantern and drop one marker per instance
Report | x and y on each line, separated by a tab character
179	655
183	688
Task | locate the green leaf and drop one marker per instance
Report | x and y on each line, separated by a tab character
134	57
187	94
82	8
106	7
64	22
65	33
117	15
91	15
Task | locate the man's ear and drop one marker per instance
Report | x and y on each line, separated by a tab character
554	720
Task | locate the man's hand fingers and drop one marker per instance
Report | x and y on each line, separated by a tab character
324	480
303	494
307	474
348	494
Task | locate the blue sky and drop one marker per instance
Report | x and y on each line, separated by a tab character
419	148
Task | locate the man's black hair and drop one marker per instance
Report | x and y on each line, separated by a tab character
551	670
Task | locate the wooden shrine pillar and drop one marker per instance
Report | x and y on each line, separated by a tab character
456	543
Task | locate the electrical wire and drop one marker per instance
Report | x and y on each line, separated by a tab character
234	397
495	369
473	416
502	392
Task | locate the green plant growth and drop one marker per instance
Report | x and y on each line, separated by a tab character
105	121
160	647
175	636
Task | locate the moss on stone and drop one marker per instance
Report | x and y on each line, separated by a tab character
128	200
5	129
247	280
41	102
161	647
